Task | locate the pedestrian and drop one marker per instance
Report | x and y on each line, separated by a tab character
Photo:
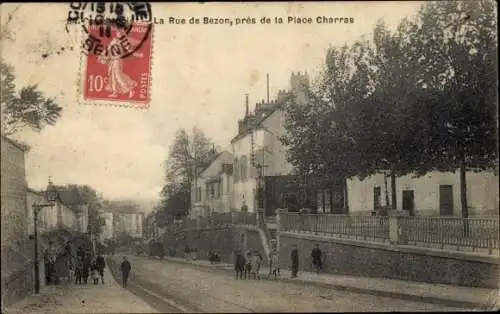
256	263
239	265
78	271
125	267
248	265
48	266
187	252
295	261
101	264
316	255
274	267
86	268
94	273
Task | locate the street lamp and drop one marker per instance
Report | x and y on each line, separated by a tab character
50	198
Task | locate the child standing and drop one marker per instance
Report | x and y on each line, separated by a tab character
274	268
256	263
94	271
248	265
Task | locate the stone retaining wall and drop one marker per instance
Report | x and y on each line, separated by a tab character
374	260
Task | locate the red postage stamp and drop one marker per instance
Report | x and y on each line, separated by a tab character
118	66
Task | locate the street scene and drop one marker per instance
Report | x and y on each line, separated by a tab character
249	157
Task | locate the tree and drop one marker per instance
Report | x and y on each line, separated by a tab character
321	133
187	153
27	108
458	47
389	119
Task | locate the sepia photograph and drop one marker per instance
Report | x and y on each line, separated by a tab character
237	157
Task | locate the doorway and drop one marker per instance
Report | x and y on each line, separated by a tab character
409	202
446	200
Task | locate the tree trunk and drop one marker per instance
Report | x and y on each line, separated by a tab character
346	197
386	191
463	194
393	189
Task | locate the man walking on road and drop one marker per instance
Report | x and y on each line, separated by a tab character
316	255
125	268
101	264
295	260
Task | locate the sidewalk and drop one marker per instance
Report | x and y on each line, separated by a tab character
456	296
90	298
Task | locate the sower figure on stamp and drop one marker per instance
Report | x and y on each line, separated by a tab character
118	82
125	267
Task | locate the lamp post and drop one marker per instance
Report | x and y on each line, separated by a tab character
50	197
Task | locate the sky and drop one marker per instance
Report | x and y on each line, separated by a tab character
200	75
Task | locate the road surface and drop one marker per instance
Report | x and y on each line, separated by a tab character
176	287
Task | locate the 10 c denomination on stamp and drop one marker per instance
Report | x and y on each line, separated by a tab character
118	68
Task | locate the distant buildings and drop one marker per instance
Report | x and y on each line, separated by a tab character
128	223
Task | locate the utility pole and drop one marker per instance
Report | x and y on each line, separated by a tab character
267	76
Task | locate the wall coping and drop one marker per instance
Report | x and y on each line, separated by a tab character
398	248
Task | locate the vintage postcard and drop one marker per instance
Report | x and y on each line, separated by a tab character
166	157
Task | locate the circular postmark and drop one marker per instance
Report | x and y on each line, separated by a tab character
113	30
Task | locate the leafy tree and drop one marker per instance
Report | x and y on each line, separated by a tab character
457	43
188	152
27	108
389	120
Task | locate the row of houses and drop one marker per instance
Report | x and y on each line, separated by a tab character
257	160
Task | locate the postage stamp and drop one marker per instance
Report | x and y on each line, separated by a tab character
116	49
113	75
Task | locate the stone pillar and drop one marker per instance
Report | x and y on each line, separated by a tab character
397	234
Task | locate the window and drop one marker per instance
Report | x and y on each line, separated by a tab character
243	168
198	194
236	170
377	194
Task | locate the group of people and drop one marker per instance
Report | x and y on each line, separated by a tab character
63	265
248	266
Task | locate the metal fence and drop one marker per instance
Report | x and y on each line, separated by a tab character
359	226
241	218
460	232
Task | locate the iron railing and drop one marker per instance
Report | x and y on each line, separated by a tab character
241	218
359	226
455	231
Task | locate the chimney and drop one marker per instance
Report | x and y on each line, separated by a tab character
246	105
267	87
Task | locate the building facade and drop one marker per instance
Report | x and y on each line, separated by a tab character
128	223
16	249
436	194
107	229
213	187
257	149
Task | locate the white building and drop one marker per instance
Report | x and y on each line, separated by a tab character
107	229
259	138
212	188
436	193
50	217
